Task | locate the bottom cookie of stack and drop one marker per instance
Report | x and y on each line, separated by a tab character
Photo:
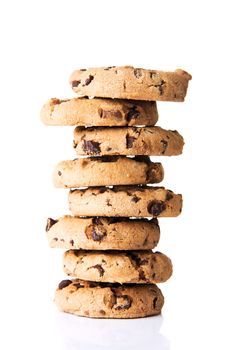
108	300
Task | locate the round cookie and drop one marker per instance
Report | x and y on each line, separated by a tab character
108	300
129	141
102	233
107	171
98	112
131	83
121	267
136	201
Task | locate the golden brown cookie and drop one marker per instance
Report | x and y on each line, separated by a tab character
98	112
129	141
121	267
108	300
136	201
131	83
107	171
102	233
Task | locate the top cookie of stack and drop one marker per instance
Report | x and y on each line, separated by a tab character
124	96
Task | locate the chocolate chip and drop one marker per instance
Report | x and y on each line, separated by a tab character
98	235
142	275
169	195
108	203
88	80
160	86
156	207
75	83
132	114
102	312
129	141
109	149
64	284
154	302
83	70
99	268
91	147
109	114
137	72
55	239
135	199
50	223
108	68
125	302
72	242
93	233
59	173
164	144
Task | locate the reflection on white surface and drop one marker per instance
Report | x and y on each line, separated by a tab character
86	333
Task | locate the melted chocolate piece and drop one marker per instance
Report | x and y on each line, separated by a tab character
165	144
135	199
125	300
91	147
88	80
156	207
64	284
129	141
99	268
75	83
97	235
169	195
132	114
160	86
137	72
154	302
50	223
109	114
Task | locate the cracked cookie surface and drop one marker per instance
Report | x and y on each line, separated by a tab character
136	201
107	171
127	82
98	112
130	141
108	300
120	267
101	233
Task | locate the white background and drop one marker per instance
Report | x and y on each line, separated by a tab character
42	42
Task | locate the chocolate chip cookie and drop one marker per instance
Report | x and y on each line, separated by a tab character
122	267
100	233
99	112
137	201
107	171
131	83
108	300
129	141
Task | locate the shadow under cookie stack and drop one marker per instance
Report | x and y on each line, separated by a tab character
113	229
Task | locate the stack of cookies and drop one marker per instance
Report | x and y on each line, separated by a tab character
113	229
